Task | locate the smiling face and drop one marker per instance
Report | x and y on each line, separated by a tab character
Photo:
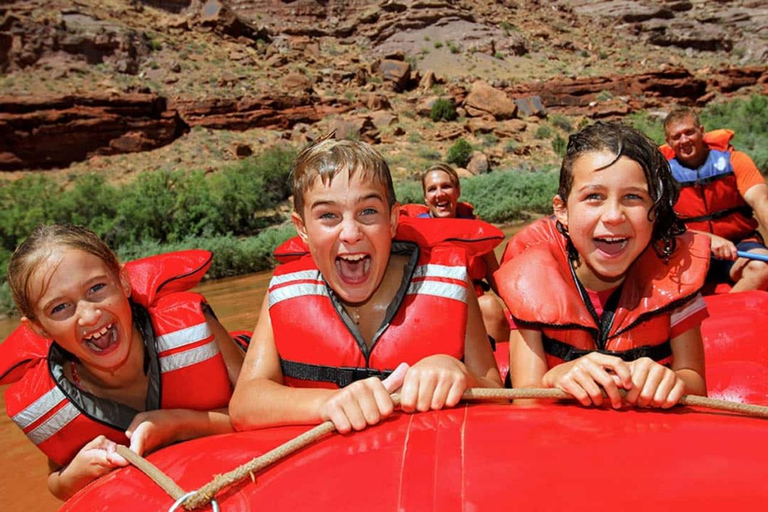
80	303
687	141
349	227
606	216
440	194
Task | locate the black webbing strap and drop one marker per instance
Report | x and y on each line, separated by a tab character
339	375
568	353
744	210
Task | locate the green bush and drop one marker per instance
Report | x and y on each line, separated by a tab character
562	122
507	195
409	192
559	145
543	132
443	110
748	118
460	153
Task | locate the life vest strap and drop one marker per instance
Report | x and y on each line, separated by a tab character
340	375
567	352
744	210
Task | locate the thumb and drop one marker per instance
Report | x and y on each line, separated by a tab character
137	442
395	380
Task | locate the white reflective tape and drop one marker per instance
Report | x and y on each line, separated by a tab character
694	305
304	275
439	289
38	408
446	271
187	336
52	425
296	290
188	357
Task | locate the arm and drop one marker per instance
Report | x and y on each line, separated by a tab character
94	460
721	248
757	198
232	354
492	265
658	386
440	380
261	399
584	378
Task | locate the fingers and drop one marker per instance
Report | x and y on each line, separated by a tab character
138	441
360	404
654	385
396	378
724	249
588	377
114	458
433	386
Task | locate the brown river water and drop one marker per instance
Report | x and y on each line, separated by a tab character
23	469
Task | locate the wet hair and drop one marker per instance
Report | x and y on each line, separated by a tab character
328	157
622	140
447	169
36	249
680	114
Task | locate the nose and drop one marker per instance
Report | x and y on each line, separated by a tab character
89	314
613	213
350	231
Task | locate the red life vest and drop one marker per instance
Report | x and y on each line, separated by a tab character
477	266
321	347
640	323
710	200
183	357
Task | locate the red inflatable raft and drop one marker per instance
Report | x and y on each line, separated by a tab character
491	457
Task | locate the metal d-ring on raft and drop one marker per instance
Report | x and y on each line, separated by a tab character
205	495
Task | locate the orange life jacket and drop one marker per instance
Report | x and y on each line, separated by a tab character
320	346
186	369
636	325
709	196
477	266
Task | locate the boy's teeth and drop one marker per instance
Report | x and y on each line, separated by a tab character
352	257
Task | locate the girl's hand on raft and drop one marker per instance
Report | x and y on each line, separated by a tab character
362	403
95	459
587	377
654	385
433	383
150	430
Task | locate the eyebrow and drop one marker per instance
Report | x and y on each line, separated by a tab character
361	199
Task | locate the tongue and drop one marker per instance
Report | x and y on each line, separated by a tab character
610	248
352	271
104	341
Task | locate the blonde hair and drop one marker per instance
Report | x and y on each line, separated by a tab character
328	157
447	169
37	248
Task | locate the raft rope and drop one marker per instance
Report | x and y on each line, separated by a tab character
205	495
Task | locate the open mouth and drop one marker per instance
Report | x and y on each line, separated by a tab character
102	339
353	268
611	245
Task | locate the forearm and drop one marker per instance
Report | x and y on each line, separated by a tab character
65	482
260	402
694	382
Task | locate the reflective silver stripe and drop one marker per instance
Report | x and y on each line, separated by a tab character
183	337
188	357
451	272
305	275
296	290
38	408
439	289
52	425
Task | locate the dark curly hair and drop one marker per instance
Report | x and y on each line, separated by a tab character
622	140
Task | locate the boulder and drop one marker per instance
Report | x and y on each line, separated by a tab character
484	99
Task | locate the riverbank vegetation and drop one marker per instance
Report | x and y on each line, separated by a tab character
242	212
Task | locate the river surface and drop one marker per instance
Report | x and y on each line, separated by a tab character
23	469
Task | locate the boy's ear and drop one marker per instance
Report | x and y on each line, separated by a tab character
298	223
36	328
125	281
561	212
394	216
